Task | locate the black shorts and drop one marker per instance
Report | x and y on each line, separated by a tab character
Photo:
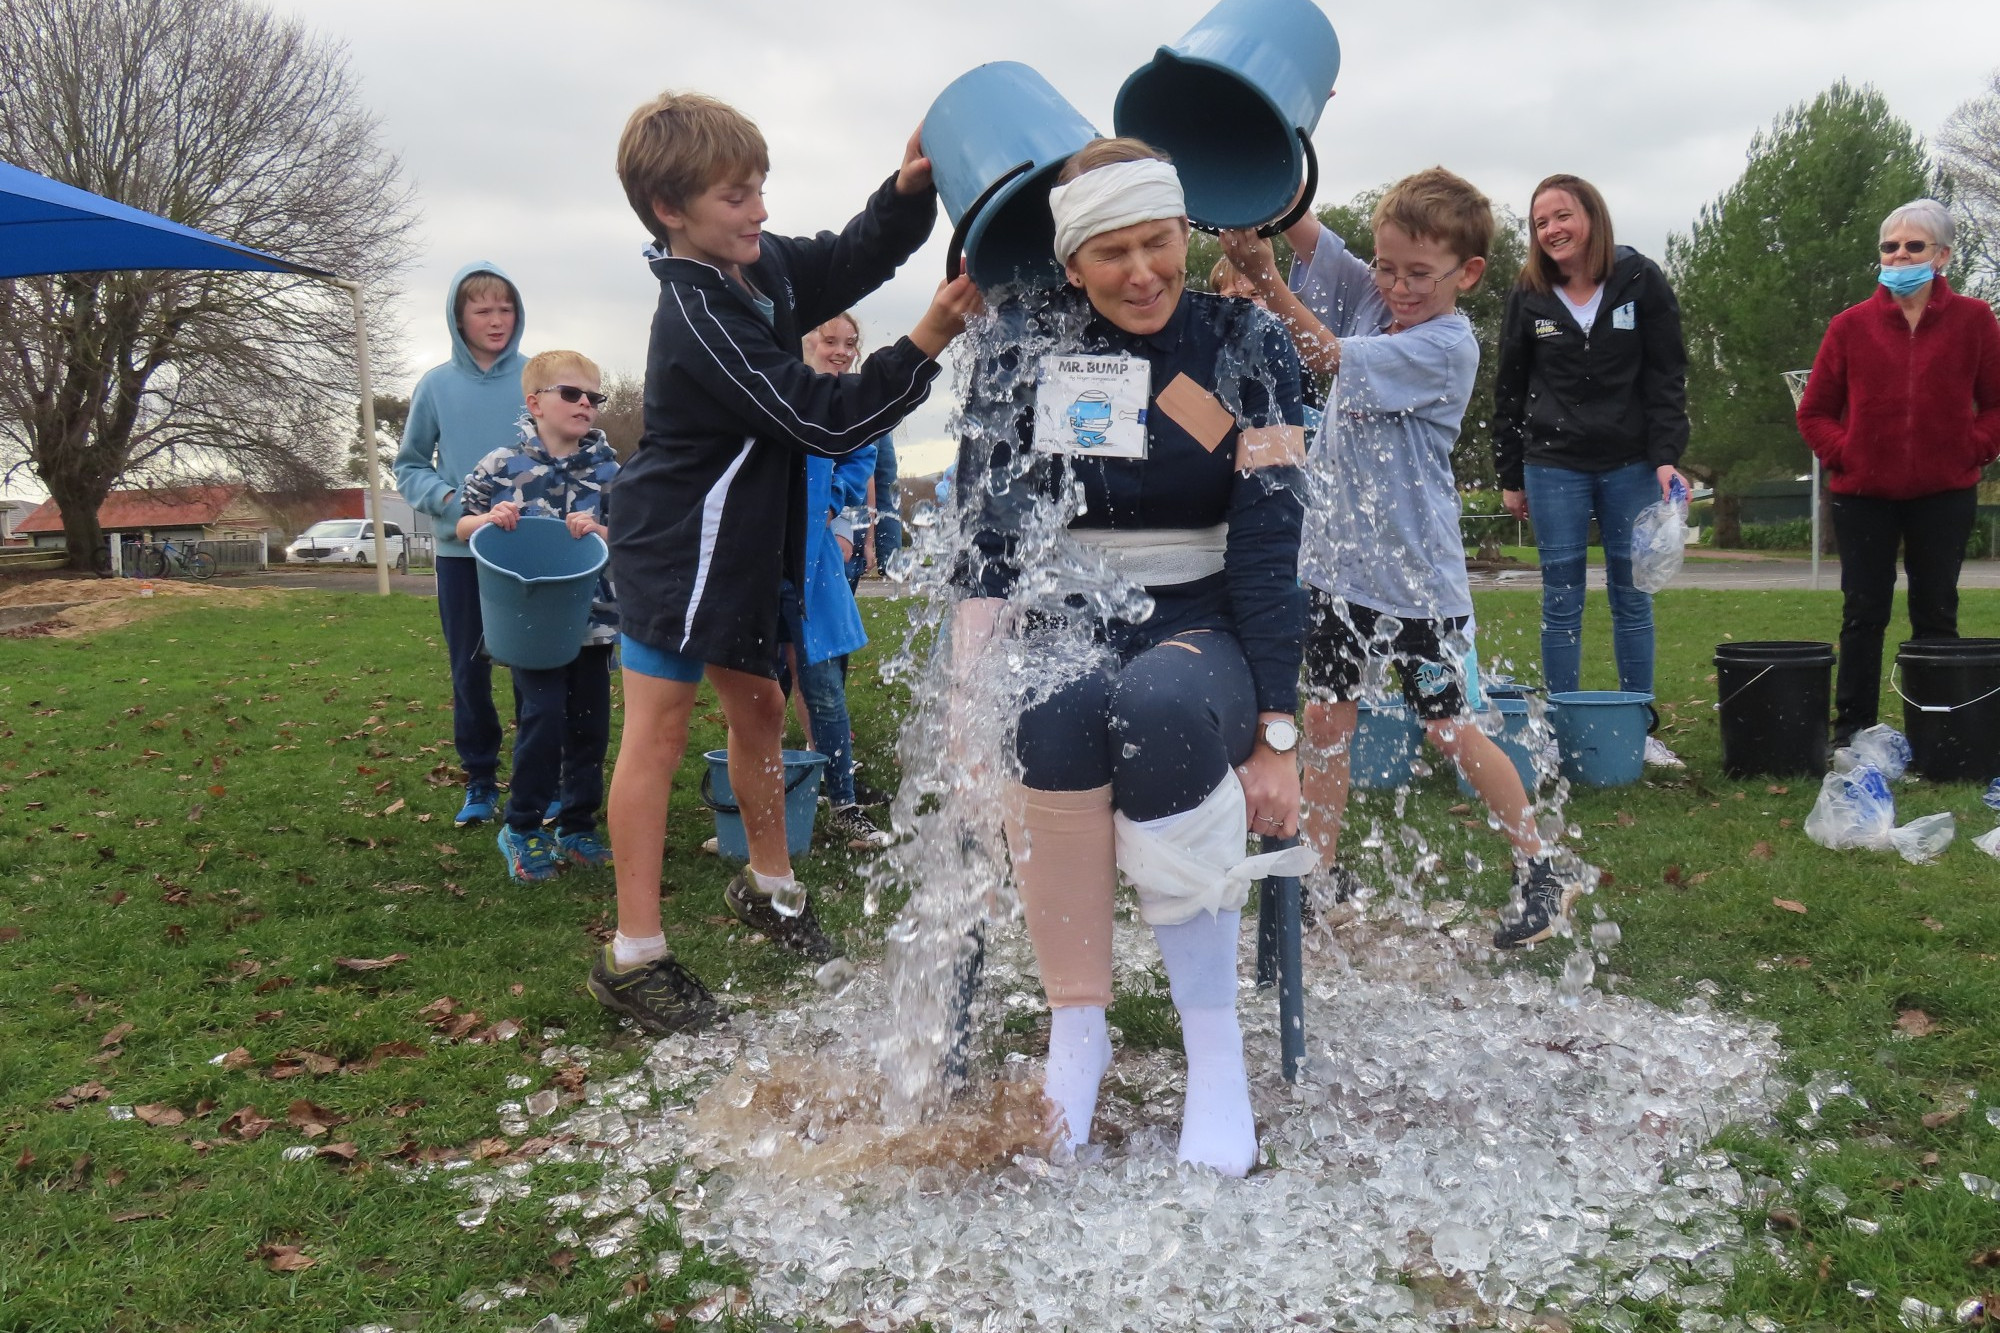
1342	639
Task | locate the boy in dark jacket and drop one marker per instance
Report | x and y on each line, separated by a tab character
711	508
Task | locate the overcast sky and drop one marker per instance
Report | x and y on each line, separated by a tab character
506	115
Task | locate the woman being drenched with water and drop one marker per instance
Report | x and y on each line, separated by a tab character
1164	424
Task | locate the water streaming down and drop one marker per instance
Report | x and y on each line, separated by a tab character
1460	1144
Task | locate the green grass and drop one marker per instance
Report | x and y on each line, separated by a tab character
194	826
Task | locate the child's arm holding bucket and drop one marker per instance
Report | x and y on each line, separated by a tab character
476	496
1254	258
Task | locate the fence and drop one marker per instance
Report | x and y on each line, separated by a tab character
233	555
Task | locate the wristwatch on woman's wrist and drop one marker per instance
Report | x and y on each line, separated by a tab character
1281	734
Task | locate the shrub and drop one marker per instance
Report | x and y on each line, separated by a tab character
1793	536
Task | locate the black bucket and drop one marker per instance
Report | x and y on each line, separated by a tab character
1951	707
1774	698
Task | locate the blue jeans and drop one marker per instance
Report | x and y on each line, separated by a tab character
1562	502
823	688
560	737
475	726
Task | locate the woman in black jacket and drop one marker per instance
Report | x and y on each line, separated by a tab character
1590	417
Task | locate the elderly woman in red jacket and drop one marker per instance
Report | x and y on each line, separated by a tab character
1903	408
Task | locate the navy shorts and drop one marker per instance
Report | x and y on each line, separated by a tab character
1342	637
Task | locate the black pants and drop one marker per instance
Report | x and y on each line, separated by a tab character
1162	730
475	726
1932	530
562	730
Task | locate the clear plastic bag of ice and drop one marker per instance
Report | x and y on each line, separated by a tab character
1854	809
1925	838
1884	747
1659	541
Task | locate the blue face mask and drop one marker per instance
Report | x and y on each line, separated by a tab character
1902	279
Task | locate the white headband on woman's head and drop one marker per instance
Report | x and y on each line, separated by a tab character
1120	194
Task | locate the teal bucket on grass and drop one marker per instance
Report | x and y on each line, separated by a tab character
1234	102
536	584
996	137
1602	734
1383	753
802	776
1512	740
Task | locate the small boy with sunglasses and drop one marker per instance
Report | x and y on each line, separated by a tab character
561	467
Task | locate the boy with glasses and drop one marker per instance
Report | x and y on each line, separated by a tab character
561	467
1382	558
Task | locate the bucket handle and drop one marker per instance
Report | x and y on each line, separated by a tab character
1895	683
1300	206
1747	684
708	797
954	255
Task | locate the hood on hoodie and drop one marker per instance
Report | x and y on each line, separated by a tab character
508	362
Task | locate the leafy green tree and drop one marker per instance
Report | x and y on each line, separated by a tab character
1769	262
391	415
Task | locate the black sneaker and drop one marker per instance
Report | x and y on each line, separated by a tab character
851	825
662	997
868	794
1544	902
800	934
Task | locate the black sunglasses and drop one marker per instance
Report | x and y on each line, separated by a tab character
571	394
1911	247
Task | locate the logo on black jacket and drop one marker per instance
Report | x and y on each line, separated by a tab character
1547	328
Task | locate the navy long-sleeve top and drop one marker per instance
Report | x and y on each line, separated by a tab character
1232	350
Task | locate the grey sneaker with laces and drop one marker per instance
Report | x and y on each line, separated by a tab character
1545	900
660	996
801	934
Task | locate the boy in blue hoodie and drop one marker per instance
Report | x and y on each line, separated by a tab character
460	412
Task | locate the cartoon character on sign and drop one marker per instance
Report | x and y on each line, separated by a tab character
1090	418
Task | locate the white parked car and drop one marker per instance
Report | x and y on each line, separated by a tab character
347	541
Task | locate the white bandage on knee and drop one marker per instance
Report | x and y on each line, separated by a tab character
1195	861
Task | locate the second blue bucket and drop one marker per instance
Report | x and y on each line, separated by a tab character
996	137
1512	740
536	584
802	775
1235	102
1383	753
1602	734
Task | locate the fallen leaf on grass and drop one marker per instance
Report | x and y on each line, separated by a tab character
24	1161
218	790
1700	876
338	1152
275	983
1783	1218
138	1215
79	1173
267	1015
1916	1022
93	1091
285	1258
240	1058
401	1109
437	1010
491	1148
394	806
246	1124
1938	1119
562	1260
177	935
1625	819
517	989
1672	875
116	1035
1789	905
388	1050
370	964
159	1115
1985	1259
505	1030
311	1120
194	815
636	1285
1761	852
1776	789
8	934
1932	924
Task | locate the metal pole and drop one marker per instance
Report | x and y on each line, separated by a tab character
117	555
1815	523
369	444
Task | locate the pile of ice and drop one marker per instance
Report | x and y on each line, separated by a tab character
1461	1147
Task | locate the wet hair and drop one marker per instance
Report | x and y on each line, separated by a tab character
481	286
1540	273
1928	216
680	144
545	369
1224	274
1103	152
1438	205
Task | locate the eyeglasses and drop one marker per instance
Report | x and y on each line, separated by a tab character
1907	247
571	394
1416	284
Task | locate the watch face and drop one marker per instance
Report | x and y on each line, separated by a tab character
1280	734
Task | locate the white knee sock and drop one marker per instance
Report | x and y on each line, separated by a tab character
1079	1053
1217	1127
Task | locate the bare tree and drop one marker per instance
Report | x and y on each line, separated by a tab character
1969	147
217	115
623	418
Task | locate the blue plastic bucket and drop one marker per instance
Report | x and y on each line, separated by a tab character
996	137
536	584
1234	103
1383	753
802	775
1512	740
1602	734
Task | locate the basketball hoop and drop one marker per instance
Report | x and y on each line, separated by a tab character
1795	380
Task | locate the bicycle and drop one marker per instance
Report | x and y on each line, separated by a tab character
160	561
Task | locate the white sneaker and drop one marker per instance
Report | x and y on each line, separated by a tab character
1659	756
713	846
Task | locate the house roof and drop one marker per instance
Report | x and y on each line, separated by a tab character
178	507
